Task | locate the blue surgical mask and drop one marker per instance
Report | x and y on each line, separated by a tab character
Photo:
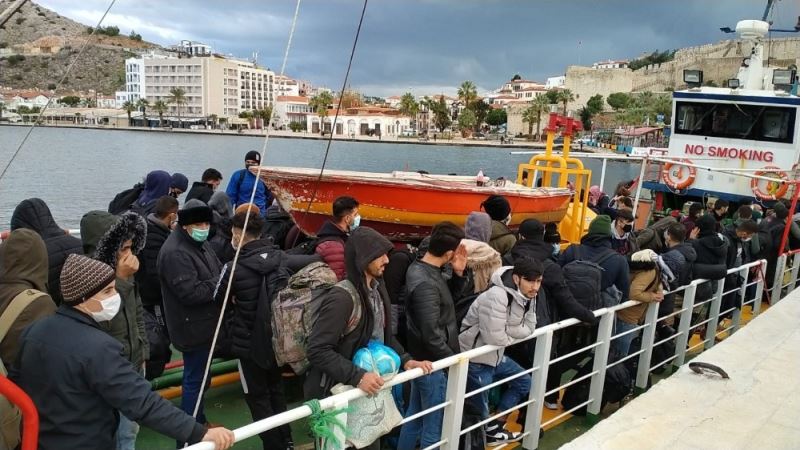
199	234
356	222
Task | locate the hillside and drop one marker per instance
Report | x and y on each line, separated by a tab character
37	45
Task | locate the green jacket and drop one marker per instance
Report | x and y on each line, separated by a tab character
502	238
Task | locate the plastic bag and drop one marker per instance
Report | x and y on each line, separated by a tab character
378	358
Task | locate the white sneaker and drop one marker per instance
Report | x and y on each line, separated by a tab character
551	406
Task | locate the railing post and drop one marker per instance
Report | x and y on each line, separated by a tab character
777	282
533	420
456	389
713	315
600	364
795	267
736	318
682	341
760	287
648	338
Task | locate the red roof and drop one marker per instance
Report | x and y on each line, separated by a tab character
292	98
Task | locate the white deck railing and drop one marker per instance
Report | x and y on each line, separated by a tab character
457	366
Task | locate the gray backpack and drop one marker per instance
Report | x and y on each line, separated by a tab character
585	279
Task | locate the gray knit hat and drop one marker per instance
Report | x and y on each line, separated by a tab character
83	277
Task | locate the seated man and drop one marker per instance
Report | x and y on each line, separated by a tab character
504	313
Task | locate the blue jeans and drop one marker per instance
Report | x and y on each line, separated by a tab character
127	431
194	363
481	375
426	392
622	345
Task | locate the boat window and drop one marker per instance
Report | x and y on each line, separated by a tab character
736	121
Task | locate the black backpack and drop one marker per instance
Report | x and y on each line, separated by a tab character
617	385
124	200
585	278
309	247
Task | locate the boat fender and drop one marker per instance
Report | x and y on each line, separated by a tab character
674	178
771	192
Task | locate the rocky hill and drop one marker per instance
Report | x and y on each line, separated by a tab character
37	45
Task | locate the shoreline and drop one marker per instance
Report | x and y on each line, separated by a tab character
458	142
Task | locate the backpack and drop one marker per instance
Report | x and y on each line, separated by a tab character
10	416
616	386
585	279
158	339
124	200
310	247
295	310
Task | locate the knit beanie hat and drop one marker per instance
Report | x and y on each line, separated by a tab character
194	211
83	277
245	206
531	229
179	181
601	225
253	155
551	234
497	207
478	226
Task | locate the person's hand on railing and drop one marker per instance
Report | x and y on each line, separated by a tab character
658	296
426	366
370	383
222	438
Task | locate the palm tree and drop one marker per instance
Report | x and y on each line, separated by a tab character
129	107
540	104
409	106
160	106
319	103
468	93
531	115
142	105
565	96
178	97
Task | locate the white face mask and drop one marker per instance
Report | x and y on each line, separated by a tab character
110	308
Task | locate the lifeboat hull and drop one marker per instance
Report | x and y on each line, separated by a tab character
402	206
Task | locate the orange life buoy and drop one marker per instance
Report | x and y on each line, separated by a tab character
774	189
675	178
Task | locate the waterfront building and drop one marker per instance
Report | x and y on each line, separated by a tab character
286	86
360	121
256	86
290	109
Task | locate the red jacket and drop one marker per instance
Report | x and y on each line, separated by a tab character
331	248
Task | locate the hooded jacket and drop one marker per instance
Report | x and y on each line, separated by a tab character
560	302
260	273
712	251
645	284
482	261
330	351
498	316
681	267
220	235
128	325
156	185
23	265
189	272
147	275
200	191
331	248
34	214
652	237
615	268
502	238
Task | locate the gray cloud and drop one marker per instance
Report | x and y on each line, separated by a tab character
425	44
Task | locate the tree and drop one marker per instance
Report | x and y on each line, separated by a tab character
441	113
320	103
213	119
595	104
351	99
129	107
618	100
296	126
468	93
409	106
565	96
653	58
531	114
178	97
552	96
70	100
481	109
516	77
497	117
466	121
135	36
160	106
540	105
142	105
586	118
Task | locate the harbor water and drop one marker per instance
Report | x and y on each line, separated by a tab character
78	170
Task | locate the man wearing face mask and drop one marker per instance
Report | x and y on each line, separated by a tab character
499	210
738	238
178	185
189	271
95	383
333	234
240	186
622	239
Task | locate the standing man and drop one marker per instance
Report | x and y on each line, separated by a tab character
189	271
622	240
204	189
333	234
178	184
241	183
499	210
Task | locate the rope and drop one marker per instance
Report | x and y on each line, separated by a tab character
58	86
246	221
338	109
323	425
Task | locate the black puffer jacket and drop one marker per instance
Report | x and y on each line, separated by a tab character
712	254
260	273
147	276
562	305
34	214
330	351
431	329
189	272
200	191
680	260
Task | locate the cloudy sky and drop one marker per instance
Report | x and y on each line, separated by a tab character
430	46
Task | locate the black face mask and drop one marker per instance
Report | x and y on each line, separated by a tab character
627	228
173	194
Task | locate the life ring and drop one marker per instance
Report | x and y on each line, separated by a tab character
673	174
774	189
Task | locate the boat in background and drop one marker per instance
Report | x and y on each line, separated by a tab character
404	206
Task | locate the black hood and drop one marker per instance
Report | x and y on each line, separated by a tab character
596	240
275	212
34	214
532	248
364	246
129	226
329	229
688	252
715	244
261	256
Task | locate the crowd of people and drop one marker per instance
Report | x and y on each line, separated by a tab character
150	274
